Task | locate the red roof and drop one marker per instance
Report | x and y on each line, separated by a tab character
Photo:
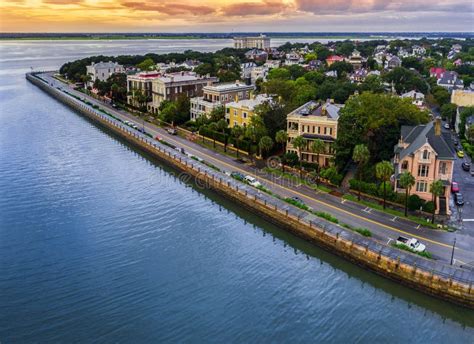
335	58
438	71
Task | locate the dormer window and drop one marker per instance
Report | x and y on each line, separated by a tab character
425	155
404	165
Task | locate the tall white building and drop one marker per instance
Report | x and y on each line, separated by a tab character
259	42
103	70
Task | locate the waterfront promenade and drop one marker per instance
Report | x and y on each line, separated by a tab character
430	276
385	228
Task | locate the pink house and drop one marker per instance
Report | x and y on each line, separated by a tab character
437	72
424	152
334	58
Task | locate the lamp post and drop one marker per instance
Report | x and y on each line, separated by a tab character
452	253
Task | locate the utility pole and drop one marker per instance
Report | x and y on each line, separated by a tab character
452	253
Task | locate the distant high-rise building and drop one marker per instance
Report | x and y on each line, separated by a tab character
259	42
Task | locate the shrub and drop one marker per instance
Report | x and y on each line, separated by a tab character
332	175
326	216
368	188
364	231
296	203
429	207
415	202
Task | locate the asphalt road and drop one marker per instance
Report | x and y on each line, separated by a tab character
385	228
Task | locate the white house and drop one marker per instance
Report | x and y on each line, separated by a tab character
102	71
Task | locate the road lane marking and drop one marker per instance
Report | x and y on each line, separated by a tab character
290	190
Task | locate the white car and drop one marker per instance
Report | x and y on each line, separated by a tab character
446	125
252	181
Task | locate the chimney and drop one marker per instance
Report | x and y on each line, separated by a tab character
437	126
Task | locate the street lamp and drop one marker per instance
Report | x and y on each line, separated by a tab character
452	253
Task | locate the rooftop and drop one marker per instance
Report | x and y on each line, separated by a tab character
250	103
316	109
227	87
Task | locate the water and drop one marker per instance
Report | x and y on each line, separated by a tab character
98	243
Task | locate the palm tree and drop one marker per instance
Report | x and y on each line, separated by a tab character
360	155
265	144
213	127
222	125
407	181
299	143
317	147
436	190
281	137
383	171
237	132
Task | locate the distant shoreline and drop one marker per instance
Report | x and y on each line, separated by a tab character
197	36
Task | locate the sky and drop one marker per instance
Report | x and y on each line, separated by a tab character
236	15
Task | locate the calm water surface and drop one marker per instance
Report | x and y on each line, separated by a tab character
98	243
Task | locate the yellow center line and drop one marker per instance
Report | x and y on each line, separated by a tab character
308	197
278	186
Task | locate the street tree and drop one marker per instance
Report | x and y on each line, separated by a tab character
281	137
299	143
436	190
361	156
383	171
407	181
237	133
318	147
265	145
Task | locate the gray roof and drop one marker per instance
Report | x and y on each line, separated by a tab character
417	136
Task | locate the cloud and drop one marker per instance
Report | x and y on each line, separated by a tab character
170	9
267	7
61	2
366	6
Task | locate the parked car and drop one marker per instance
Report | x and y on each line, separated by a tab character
454	187
466	166
446	125
459	199
252	181
412	244
460	154
472	172
237	175
456	142
297	199
172	131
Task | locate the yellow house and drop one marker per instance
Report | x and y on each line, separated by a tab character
239	112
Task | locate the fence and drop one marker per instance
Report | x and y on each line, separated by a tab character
430	276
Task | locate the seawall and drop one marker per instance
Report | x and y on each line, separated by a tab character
429	276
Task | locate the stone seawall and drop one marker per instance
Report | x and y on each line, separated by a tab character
431	277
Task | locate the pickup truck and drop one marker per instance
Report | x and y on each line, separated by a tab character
412	244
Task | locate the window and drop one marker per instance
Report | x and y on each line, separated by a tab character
404	165
423	170
421	186
330	131
244	115
425	155
442	168
319	130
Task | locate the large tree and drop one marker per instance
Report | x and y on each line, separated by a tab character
374	120
436	189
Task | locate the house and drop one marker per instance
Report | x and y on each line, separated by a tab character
102	71
258	73
334	58
259	42
246	69
256	55
417	98
456	48
358	75
293	58
418	50
141	83
425	152
239	112
314	120
393	62
463	97
402	53
275	53
172	86
457	63
437	72
450	80
218	95
356	60
331	74
313	65
272	64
